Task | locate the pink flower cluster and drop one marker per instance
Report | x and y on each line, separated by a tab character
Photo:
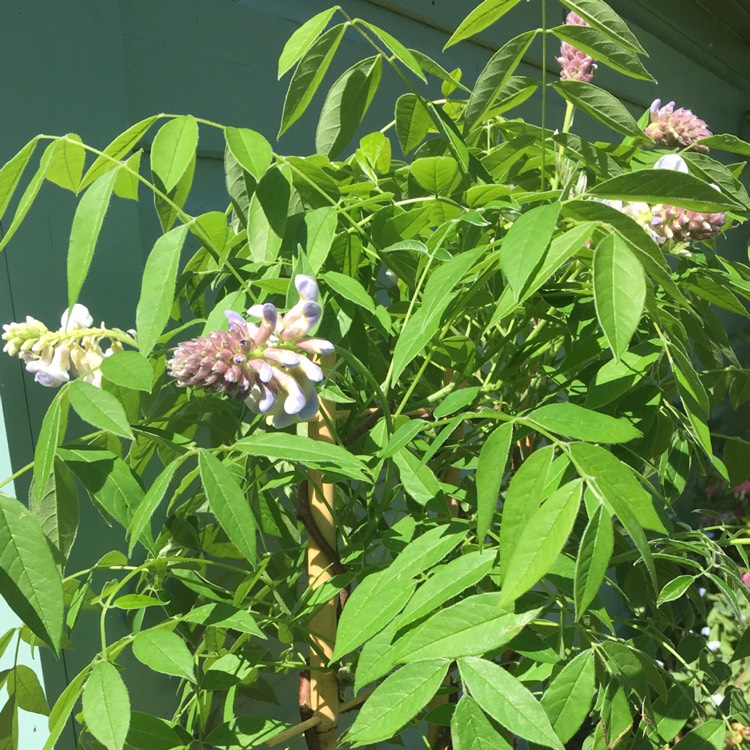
664	222
576	65
265	365
676	128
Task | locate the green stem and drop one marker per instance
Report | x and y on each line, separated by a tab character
544	94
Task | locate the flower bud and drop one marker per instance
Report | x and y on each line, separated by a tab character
676	128
576	65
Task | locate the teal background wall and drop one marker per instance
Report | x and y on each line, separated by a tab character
95	66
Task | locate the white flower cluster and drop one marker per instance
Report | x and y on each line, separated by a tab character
55	356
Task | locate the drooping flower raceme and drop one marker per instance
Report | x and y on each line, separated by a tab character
664	222
74	350
266	365
576	65
676	128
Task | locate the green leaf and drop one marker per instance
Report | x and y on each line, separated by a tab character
109	158
29	579
418	479
484	15
490	471
302	39
321	229
619	292
614	485
525	492
229	504
240	732
24	685
524	247
382	595
601	105
11	179
593	42
350	289
455	401
447	581
539	541
137	601
251	150
165	652
158	288
727	142
66	167
55	506
308	75
476	625
397	700
507	701
438	294
402	436
605	20
99	408
126	182
593	558
149	732
173	150
400	52
150	503
60	713
267	215
50	437
579	423
665	186
438	174
412	121
106	706
109	479
567	700
346	104
11	173
87	223
224	616
472	730
496	74
129	370
674	589
710	733
308	452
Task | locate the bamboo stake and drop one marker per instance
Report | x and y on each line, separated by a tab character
324	689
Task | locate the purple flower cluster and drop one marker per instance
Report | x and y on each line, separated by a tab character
576	65
676	128
265	365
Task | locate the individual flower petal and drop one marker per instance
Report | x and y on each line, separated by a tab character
673	162
307	287
316	346
51	369
78	317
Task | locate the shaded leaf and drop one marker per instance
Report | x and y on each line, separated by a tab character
29	579
229	503
490	471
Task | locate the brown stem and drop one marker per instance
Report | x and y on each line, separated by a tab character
305	710
321	558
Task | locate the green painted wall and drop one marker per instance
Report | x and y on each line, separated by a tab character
96	66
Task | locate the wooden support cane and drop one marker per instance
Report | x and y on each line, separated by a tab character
324	689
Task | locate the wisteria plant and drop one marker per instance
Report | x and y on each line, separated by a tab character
398	440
